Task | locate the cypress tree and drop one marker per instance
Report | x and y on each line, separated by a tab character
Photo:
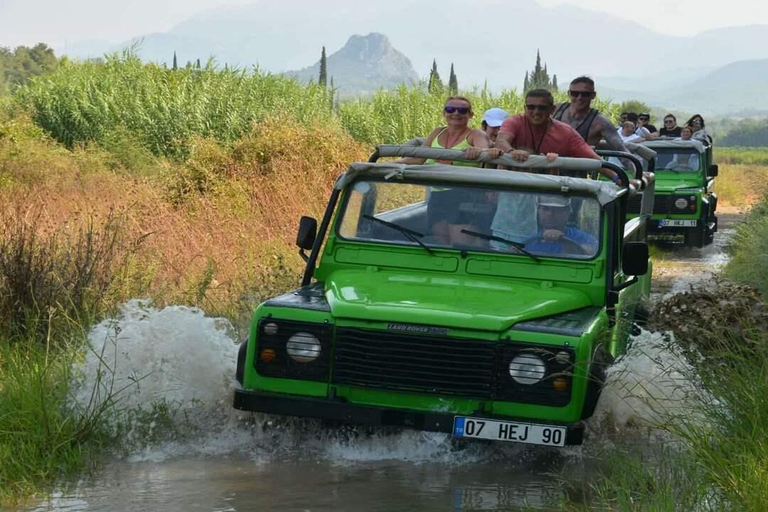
435	84
554	83
175	62
323	79
197	64
526	83
453	82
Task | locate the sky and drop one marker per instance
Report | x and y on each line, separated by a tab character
58	22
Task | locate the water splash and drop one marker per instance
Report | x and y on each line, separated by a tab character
178	357
646	387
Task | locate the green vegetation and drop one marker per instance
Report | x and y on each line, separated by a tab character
18	66
747	133
716	455
189	162
539	78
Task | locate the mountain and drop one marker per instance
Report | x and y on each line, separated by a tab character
738	88
363	65
490	42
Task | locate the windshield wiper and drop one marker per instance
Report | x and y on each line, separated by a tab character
517	245
410	234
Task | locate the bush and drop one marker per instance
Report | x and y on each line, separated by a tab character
47	283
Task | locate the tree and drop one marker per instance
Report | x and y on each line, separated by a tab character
554	83
634	106
539	77
175	62
453	82
17	67
435	85
197	64
323	80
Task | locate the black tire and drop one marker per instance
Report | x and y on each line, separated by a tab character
695	237
241	353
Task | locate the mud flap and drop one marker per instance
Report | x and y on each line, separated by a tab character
241	353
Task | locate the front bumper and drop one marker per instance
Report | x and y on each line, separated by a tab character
338	410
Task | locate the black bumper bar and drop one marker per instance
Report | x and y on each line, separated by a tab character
349	413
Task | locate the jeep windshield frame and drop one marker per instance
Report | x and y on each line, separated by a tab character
470	209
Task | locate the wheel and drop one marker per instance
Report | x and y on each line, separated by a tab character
695	237
241	353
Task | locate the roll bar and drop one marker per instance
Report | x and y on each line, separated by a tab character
629	156
585	165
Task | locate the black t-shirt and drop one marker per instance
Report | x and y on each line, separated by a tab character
650	128
674	132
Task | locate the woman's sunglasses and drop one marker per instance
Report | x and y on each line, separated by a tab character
669	121
451	109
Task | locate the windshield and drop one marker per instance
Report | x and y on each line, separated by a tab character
526	223
678	160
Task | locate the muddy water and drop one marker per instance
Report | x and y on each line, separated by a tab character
224	460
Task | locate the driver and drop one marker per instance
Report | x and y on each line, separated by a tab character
554	235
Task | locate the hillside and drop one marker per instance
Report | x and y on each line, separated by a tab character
737	88
363	65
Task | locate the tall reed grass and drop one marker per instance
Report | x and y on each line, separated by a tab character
166	109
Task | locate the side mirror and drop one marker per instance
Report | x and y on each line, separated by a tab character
635	259
307	233
712	172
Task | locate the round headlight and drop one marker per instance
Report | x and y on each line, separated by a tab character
303	347
270	329
527	369
681	203
563	357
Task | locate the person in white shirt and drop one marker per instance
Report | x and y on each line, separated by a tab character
628	133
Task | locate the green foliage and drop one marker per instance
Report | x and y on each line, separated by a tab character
745	156
46	284
747	133
633	106
17	67
323	79
166	109
749	250
435	85
539	78
453	82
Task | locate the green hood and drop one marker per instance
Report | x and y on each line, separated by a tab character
446	300
670	181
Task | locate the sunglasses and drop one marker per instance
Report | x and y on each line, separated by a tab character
669	121
644	118
585	94
461	110
540	108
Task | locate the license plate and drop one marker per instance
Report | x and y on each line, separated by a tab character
676	223
494	430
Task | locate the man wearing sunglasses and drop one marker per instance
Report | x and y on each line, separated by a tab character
591	125
534	132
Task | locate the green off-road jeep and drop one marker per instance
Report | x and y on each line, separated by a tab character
684	205
478	302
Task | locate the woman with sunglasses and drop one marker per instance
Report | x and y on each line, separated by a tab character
670	128
697	123
457	134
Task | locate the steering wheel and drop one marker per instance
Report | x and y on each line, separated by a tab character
570	246
679	167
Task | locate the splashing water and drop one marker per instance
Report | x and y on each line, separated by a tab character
650	384
177	355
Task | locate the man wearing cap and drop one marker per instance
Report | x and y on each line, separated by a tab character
554	235
492	119
644	121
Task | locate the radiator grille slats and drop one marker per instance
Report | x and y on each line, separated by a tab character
386	360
